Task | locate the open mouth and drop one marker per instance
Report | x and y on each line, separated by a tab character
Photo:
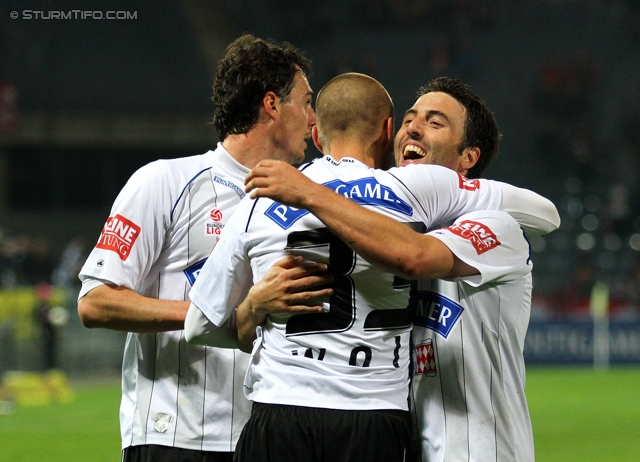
412	152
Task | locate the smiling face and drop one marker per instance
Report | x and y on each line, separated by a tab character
431	132
295	119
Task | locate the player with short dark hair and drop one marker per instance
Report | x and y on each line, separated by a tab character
250	68
480	127
184	402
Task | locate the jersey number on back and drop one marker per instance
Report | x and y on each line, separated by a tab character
342	261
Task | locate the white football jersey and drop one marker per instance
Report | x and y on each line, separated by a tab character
468	400
356	354
162	227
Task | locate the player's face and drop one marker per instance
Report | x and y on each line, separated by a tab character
295	121
431	132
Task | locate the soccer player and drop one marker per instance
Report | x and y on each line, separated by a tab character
339	379
184	402
468	400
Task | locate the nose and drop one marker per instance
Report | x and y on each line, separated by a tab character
312	118
414	128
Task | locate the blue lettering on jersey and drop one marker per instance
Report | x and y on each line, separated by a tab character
231	185
365	191
283	215
194	270
437	312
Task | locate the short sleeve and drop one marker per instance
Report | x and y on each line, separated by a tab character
445	195
134	233
490	241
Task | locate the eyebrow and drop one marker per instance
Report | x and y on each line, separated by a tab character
428	114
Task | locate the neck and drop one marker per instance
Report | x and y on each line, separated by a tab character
355	150
248	149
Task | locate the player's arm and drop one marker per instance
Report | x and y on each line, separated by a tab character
380	240
289	287
285	289
114	307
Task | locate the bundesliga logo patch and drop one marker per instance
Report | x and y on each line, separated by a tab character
425	360
469	185
118	235
482	238
212	225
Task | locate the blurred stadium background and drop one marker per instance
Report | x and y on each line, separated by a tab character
86	101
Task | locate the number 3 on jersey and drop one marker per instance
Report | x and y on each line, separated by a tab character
342	261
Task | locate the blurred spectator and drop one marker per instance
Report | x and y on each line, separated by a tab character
574	295
71	260
37	265
48	334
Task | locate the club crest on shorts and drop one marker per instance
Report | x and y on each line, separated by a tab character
424	359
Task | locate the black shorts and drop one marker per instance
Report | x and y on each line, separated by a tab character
157	453
278	433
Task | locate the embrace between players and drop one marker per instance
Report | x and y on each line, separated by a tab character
384	309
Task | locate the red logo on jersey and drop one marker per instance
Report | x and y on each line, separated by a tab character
480	235
216	214
118	235
425	359
468	184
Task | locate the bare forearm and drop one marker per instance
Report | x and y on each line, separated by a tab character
378	239
246	323
118	308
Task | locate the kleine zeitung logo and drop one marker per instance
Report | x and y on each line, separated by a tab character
481	236
118	235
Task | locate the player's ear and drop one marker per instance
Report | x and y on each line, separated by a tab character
388	131
316	138
270	104
469	158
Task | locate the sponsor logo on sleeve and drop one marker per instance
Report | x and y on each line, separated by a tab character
193	271
119	234
437	312
469	184
364	191
482	238
425	359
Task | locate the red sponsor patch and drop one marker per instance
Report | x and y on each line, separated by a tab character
469	184
425	359
482	238
216	214
118	235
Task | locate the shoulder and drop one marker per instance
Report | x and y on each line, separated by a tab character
179	170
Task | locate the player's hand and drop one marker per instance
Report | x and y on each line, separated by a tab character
279	181
291	287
